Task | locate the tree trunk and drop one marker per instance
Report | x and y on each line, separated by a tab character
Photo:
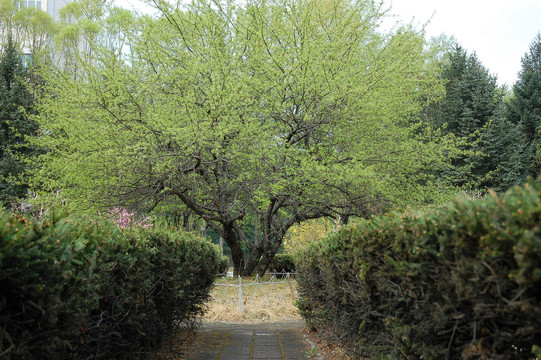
186	220
271	244
266	260
237	254
253	260
256	232
238	258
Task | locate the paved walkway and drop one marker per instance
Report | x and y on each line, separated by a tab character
276	341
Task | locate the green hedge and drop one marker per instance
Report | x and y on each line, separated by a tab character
461	281
84	289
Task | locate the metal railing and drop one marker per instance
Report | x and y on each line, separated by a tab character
275	282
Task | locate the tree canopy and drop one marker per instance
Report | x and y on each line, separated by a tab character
29	27
284	110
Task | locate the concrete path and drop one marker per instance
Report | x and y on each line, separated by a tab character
276	341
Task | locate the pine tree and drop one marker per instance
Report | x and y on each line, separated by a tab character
471	110
16	104
505	154
524	108
471	98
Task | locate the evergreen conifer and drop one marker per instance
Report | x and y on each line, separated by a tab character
16	106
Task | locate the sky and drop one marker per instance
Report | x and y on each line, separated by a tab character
498	31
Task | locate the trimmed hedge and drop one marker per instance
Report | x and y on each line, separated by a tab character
461	281
73	289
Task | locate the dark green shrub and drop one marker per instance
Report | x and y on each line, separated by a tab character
458	282
282	263
224	264
86	289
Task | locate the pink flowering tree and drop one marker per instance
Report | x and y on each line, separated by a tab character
125	219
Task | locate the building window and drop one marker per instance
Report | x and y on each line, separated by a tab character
32	4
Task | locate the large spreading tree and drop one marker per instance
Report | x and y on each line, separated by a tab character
278	110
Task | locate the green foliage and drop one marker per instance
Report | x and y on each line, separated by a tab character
306	232
505	154
282	263
524	108
28	26
280	110
471	94
224	264
80	288
460	281
494	152
16	107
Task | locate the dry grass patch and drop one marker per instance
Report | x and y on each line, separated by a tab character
261	301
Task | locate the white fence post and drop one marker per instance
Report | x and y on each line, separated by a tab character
240	293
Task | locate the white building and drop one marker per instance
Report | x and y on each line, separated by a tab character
50	6
30	42
21	29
